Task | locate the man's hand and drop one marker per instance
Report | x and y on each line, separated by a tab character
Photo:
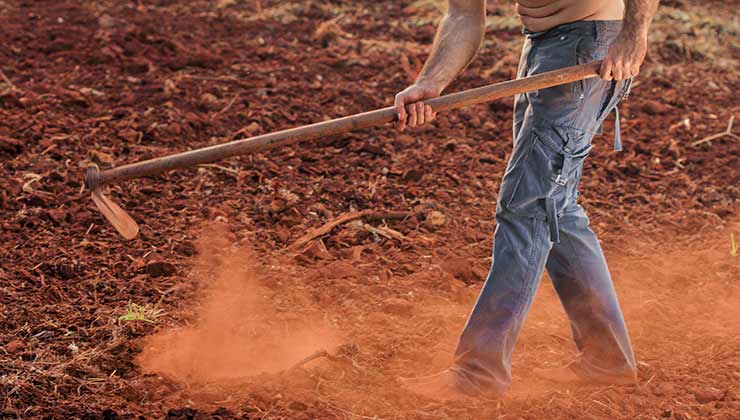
627	53
458	37
418	113
625	57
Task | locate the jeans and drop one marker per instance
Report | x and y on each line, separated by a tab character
540	224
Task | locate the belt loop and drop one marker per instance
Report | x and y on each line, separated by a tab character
595	28
552	218
617	135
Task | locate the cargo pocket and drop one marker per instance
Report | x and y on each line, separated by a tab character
548	180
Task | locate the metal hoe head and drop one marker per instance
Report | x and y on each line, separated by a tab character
117	217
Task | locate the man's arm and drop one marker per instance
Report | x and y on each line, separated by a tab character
628	51
458	38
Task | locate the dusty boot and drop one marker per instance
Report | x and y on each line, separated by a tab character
442	386
569	374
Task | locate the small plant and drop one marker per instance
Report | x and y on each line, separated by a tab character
734	246
144	313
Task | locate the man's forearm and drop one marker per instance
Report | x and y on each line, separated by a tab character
638	16
458	38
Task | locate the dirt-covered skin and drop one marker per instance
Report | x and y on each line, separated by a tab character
115	82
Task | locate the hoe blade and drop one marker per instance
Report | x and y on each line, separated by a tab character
120	220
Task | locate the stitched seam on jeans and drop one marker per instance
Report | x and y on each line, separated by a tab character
582	270
515	188
568	126
574	256
533	246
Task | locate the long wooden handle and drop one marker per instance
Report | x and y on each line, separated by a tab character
190	158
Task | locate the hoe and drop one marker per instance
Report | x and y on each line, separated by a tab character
96	179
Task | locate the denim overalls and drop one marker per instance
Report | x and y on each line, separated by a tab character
540	224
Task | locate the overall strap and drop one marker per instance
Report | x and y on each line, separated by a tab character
617	134
552	219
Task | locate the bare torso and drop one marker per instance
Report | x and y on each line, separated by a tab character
540	15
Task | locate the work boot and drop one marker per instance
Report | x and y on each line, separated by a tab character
570	374
442	386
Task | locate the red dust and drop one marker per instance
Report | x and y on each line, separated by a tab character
239	332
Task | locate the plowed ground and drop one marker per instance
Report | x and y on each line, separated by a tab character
230	309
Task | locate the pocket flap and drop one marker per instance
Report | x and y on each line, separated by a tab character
564	140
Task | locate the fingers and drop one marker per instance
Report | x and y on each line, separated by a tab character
623	71
429	115
400	104
606	69
420	115
413	118
611	70
618	71
413	114
635	71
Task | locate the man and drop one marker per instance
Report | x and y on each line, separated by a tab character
539	223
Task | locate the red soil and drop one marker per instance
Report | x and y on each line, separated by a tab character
116	82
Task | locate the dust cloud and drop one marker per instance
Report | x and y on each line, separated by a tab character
243	328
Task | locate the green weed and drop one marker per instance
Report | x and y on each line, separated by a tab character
144	313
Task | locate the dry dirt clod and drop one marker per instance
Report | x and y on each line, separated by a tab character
664	389
129	135
436	218
103	160
160	269
414	175
252	129
317	250
10	147
462	269
170	88
652	107
220	4
209	101
186	248
15	346
395	306
328	32
708	394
